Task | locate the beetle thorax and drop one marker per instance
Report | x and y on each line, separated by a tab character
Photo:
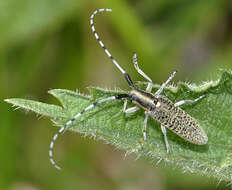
145	100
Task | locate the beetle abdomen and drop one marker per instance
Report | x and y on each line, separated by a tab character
178	121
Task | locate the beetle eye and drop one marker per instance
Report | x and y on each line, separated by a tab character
155	101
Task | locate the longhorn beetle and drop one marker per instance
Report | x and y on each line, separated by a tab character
157	106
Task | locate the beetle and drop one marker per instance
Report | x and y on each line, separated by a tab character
157	106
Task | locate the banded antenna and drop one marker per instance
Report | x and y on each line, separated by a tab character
126	75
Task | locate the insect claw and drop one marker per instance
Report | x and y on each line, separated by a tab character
203	96
168	149
144	136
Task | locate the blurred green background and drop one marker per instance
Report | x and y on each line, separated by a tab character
48	44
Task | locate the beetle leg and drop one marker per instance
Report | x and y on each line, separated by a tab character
150	84
165	138
158	92
145	126
129	110
188	101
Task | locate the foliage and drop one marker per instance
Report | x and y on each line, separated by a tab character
107	122
48	44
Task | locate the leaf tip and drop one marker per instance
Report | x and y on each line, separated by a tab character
10	100
7	100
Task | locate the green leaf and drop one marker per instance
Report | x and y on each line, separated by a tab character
38	107
107	122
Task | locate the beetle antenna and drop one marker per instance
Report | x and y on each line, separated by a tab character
62	129
126	75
